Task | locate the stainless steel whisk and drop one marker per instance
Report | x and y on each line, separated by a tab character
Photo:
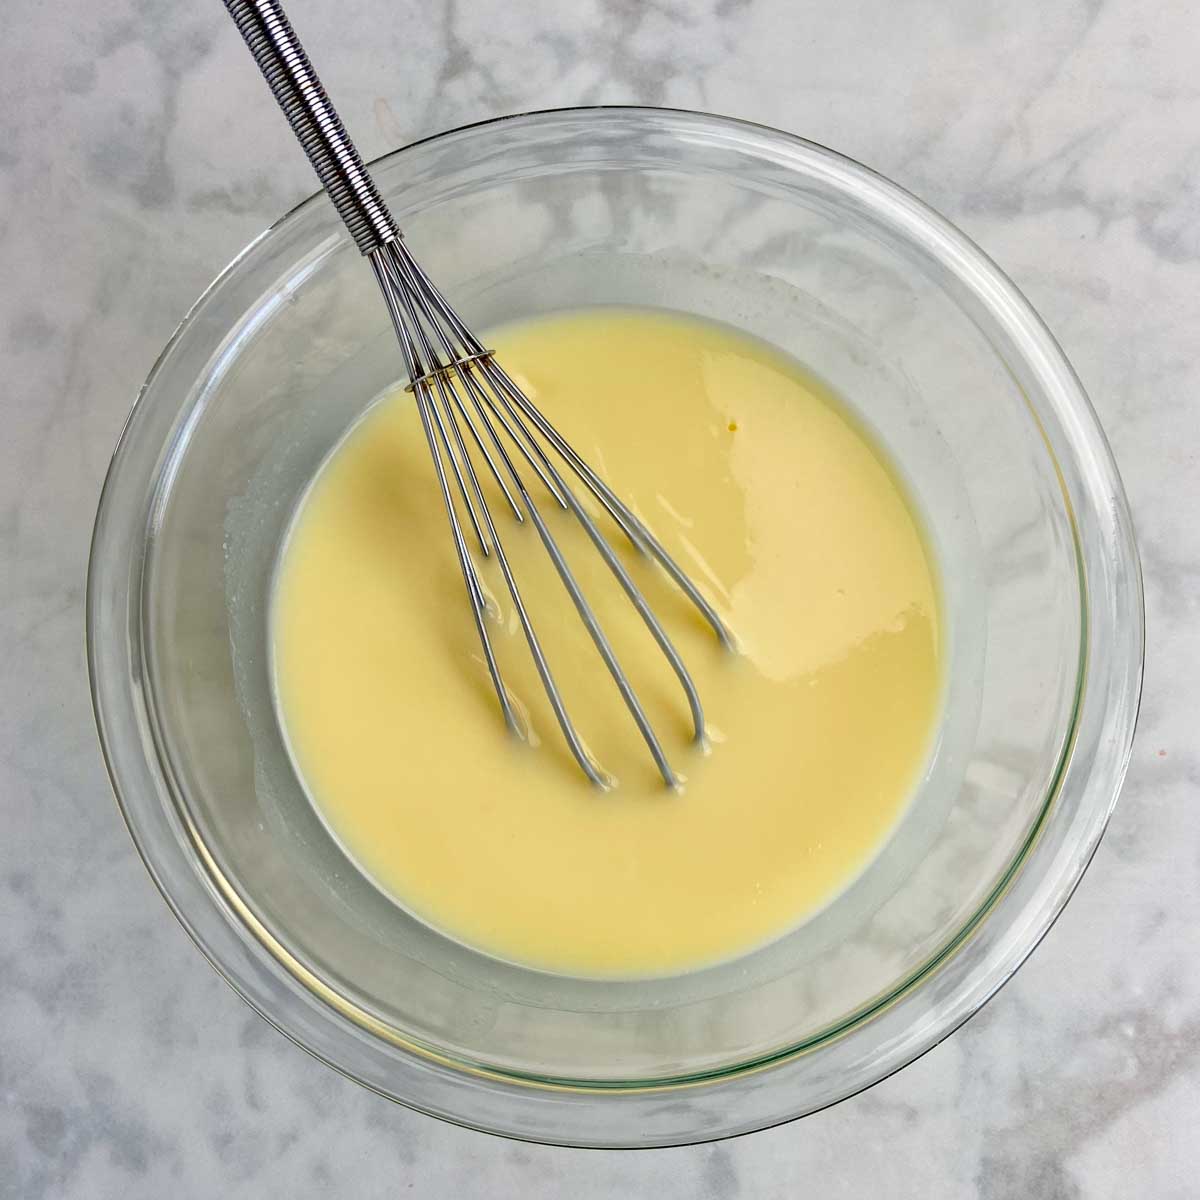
458	385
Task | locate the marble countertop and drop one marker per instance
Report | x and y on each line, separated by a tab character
140	152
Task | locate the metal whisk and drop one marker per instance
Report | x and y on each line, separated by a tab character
459	386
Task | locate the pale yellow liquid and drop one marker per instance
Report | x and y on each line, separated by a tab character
793	525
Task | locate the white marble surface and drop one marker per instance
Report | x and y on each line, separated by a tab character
139	152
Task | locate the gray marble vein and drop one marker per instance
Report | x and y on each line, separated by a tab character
139	153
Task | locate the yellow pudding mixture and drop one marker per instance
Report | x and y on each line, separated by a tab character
788	518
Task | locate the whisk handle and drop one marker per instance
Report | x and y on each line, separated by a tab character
313	119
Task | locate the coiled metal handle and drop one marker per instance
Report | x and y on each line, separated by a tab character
315	122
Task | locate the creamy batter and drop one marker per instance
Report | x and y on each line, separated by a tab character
786	515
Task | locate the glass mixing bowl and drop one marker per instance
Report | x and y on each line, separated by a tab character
938	354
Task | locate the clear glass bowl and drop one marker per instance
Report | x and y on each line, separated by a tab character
940	356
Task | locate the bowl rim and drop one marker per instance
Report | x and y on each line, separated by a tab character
224	914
